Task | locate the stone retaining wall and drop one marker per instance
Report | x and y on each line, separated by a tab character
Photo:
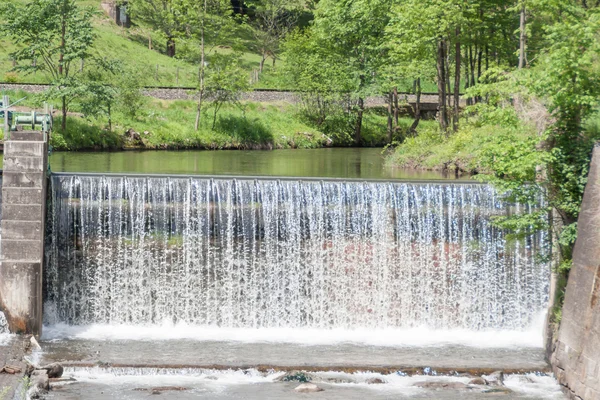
576	353
261	96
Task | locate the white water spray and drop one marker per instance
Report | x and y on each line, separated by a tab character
289	254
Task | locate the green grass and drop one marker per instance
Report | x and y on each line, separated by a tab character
169	125
131	46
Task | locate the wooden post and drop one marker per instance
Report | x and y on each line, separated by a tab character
5	103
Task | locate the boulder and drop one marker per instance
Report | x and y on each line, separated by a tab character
375	381
39	384
308	388
496	378
54	370
478	381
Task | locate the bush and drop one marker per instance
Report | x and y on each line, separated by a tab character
11	77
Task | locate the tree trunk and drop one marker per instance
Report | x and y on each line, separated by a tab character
63	123
358	129
522	36
201	70
109	118
413	127
396	109
149	42
390	118
262	63
457	63
171	47
441	83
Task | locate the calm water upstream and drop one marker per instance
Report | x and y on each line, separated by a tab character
364	163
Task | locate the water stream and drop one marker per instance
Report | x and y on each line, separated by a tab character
343	256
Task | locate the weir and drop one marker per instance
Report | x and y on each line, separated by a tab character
276	253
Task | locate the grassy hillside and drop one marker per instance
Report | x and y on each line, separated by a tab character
131	46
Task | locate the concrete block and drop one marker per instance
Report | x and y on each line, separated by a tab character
21	295
22	196
27	230
24	164
23	179
27	136
21	250
27	149
20	212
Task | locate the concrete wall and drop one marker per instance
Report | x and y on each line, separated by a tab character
576	357
22	243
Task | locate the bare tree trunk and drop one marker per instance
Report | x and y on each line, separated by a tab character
149	42
262	63
396	109
457	65
63	123
358	128
441	83
171	47
390	118
201	70
522	36
413	127
61	60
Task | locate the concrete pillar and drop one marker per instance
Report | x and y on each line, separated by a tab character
22	244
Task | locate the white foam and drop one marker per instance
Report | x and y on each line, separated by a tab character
530	385
372	337
545	387
4	339
158	377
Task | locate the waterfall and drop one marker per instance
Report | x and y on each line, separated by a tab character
3	324
252	253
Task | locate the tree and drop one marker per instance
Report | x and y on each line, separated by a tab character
211	23
353	30
273	20
165	16
100	93
427	31
57	32
226	83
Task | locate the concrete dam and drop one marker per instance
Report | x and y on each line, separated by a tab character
356	261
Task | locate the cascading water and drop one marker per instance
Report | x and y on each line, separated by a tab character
242	253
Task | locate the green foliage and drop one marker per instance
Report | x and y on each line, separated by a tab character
297	377
131	99
36	29
225	84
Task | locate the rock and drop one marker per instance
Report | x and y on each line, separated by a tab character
39	384
441	385
308	388
34	343
169	389
54	370
478	381
499	390
9	369
375	381
337	380
211	377
496	378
